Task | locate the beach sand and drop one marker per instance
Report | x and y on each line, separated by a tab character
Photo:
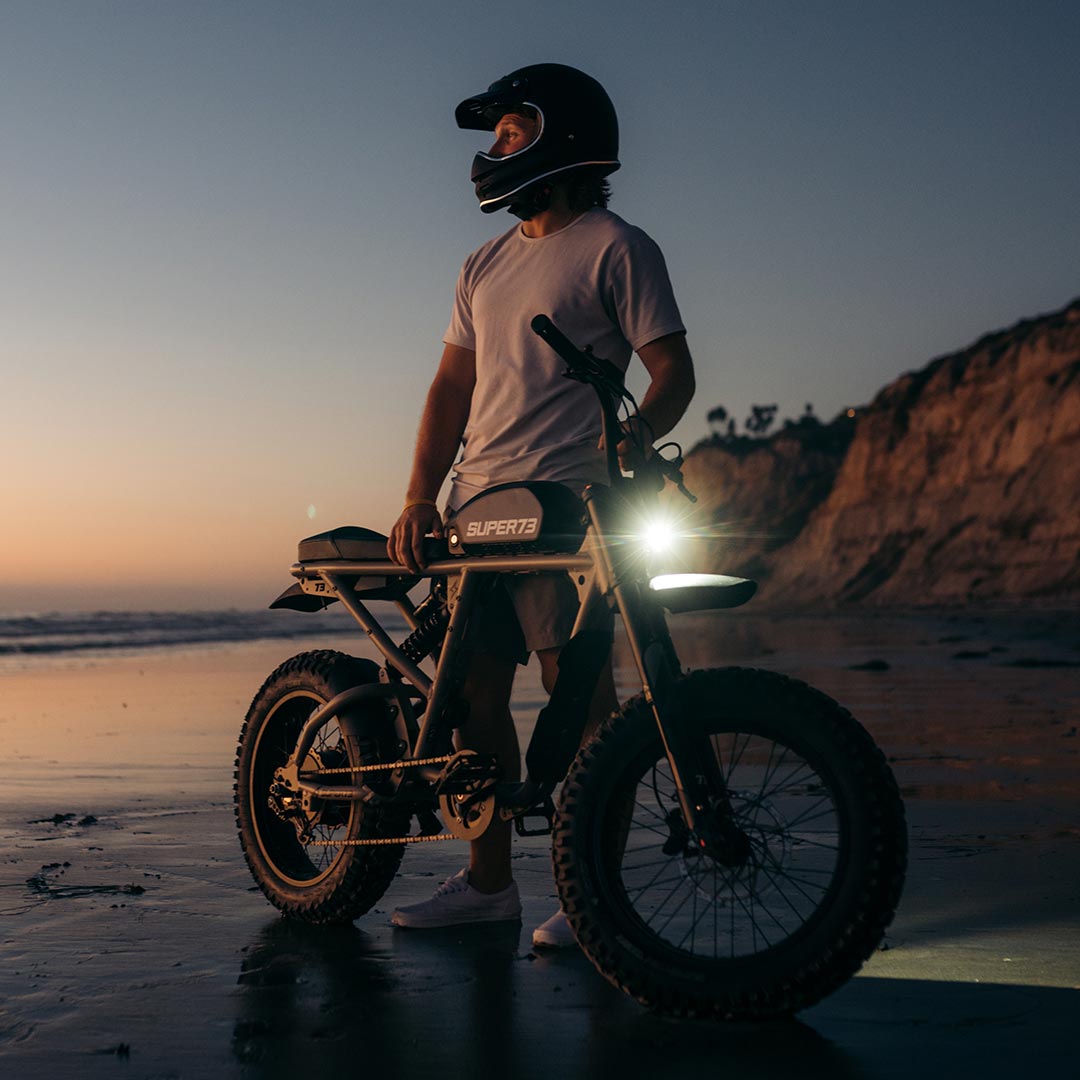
133	942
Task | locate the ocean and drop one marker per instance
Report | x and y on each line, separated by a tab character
26	636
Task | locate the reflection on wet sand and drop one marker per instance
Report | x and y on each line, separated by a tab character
130	920
472	1002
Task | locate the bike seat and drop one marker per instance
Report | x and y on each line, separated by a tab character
352	543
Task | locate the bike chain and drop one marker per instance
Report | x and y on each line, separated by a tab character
380	767
382	840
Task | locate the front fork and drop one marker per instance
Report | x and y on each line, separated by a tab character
699	781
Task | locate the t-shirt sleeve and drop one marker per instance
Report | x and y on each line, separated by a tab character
461	330
641	293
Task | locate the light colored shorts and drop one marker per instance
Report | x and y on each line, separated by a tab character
525	613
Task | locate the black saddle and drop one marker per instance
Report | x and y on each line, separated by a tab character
356	544
352	544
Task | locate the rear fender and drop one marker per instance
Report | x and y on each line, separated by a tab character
295	598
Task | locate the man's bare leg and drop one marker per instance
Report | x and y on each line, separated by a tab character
490	730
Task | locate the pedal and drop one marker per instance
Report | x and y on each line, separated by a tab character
545	810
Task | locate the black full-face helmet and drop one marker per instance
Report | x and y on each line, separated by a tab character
577	129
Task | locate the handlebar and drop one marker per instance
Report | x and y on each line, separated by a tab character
607	380
582	364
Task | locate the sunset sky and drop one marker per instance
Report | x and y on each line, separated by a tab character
230	233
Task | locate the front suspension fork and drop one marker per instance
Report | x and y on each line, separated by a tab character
699	781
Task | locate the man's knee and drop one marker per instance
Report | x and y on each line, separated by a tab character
549	667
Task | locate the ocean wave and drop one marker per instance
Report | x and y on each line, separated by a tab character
57	633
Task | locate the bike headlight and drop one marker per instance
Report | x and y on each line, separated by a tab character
658	536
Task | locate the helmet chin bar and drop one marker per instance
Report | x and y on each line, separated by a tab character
532	201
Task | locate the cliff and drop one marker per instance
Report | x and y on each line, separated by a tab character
959	483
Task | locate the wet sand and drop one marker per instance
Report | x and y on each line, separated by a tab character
133	942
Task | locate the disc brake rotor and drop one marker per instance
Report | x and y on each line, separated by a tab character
770	857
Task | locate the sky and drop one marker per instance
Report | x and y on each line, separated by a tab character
230	231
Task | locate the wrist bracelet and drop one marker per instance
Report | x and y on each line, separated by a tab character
419	502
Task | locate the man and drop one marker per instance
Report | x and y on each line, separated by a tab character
500	396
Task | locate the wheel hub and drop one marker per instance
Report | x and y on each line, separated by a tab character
766	854
292	803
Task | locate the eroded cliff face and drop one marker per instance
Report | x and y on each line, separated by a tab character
756	495
961	483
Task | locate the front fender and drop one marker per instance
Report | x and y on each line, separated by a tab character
701	592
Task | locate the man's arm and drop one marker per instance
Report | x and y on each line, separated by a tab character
671	369
442	424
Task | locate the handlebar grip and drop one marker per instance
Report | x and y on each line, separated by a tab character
543	327
583	365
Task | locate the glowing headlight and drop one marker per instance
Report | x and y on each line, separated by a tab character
658	536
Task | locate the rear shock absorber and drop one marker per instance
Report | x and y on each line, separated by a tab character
434	617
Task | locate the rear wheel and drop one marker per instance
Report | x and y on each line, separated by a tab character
748	936
295	845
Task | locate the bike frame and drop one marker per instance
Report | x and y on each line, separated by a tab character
610	575
606	578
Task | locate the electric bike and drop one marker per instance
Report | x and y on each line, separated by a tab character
730	843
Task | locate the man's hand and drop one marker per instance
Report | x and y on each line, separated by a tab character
406	543
635	447
635	431
671	371
446	411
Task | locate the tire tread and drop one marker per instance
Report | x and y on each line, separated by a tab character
837	960
370	870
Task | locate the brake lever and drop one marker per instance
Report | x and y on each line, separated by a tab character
672	469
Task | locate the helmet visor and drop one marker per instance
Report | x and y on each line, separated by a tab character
475	112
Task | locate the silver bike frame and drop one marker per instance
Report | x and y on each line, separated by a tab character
608	577
340	577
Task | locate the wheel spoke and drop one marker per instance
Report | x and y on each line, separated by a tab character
771	770
801	839
789	815
806	815
671	892
789	781
784	896
665	833
665	861
678	879
310	860
649	810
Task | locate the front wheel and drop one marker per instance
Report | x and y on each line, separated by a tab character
753	936
303	852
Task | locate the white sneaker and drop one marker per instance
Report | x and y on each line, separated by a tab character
457	903
554	934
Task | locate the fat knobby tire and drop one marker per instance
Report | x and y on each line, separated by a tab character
358	875
842	933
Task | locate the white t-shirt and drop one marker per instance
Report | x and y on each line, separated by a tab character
603	283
